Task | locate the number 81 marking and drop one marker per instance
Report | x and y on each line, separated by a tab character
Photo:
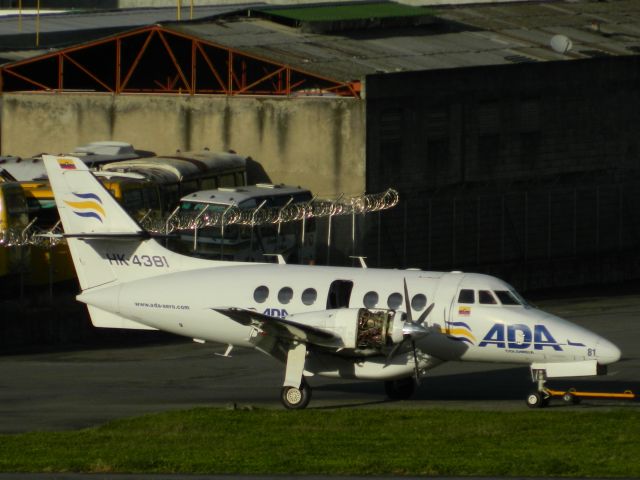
150	261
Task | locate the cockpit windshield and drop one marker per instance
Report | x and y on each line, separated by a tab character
488	297
510	297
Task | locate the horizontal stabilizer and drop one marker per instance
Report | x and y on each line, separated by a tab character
142	235
103	319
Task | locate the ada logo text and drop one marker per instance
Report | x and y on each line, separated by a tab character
276	312
519	336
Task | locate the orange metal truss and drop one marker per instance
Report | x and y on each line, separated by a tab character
155	59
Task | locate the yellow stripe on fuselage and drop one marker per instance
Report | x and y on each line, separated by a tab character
458	331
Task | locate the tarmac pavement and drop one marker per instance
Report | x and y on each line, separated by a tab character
72	389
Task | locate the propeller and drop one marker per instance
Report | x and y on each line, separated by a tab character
411	331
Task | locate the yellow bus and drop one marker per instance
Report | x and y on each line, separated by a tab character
13	220
186	172
144	186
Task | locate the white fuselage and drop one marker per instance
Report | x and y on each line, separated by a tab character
184	302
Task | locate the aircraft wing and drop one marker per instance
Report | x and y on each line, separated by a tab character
281	328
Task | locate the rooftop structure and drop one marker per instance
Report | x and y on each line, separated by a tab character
250	196
277	50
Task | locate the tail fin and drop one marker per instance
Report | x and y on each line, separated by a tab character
107	246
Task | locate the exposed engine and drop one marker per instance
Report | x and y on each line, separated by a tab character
375	328
368	331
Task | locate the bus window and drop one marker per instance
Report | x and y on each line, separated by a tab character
208	183
133	200
151	197
240	179
188	187
227	180
13	207
170	195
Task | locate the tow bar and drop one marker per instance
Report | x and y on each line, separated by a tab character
573	396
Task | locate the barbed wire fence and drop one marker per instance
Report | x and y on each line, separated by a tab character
258	216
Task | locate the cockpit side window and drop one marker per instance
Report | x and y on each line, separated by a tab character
466	296
506	297
485	297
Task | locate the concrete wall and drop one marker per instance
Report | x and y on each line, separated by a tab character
315	142
528	171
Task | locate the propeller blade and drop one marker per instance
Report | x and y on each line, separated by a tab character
395	349
415	362
425	314
407	305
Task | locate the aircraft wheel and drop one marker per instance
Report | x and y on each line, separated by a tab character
296	398
400	389
537	400
568	397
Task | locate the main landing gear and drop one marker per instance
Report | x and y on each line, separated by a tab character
296	398
296	392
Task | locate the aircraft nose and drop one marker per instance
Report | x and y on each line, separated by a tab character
607	352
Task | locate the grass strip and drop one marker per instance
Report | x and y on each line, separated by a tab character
576	443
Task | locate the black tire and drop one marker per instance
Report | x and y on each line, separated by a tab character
570	398
296	398
400	389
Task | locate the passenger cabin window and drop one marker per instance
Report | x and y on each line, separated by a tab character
485	297
309	296
260	294
285	295
466	296
418	302
506	297
394	300
370	299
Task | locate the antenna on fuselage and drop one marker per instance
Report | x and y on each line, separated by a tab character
361	259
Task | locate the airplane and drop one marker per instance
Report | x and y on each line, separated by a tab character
340	322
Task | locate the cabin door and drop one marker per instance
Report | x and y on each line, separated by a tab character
445	299
339	294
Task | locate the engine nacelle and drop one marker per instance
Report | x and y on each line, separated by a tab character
357	328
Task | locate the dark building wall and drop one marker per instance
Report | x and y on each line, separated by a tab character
528	171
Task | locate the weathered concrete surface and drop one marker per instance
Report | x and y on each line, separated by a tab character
315	142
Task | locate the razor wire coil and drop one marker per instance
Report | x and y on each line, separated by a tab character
316	208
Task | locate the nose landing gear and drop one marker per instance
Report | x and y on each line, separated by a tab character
539	398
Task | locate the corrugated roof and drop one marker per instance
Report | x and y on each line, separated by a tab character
66	28
324	13
459	36
482	34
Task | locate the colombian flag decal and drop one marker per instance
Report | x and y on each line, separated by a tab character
465	311
66	164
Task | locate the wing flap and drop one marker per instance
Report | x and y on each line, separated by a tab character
281	328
